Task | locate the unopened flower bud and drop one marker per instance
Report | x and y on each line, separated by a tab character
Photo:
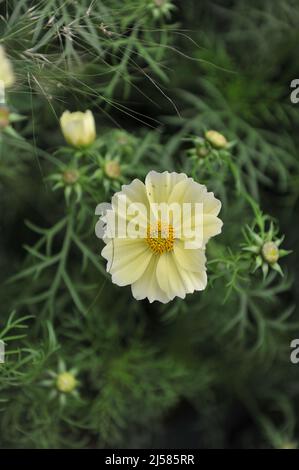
4	117
216	139
202	152
66	382
6	71
270	252
122	139
112	169
71	176
78	128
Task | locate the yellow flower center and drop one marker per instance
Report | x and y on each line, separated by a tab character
160	237
66	382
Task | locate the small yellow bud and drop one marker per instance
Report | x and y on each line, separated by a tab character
78	128
6	70
122	138
4	117
202	152
112	169
66	382
70	176
216	139
270	252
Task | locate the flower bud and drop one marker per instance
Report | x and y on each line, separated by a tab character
161	8
122	138
6	71
270	252
202	152
70	176
4	117
216	139
66	382
112	169
78	128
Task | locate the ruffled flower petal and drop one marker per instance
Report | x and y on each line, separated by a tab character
127	259
160	185
189	259
147	285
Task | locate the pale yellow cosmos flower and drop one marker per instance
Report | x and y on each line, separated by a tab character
159	265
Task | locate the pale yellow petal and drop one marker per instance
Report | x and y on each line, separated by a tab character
160	185
212	226
189	259
127	259
211	204
188	191
147	285
178	282
134	192
194	281
132	195
169	278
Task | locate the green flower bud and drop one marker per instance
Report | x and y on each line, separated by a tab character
66	382
270	252
112	169
71	176
202	152
4	117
